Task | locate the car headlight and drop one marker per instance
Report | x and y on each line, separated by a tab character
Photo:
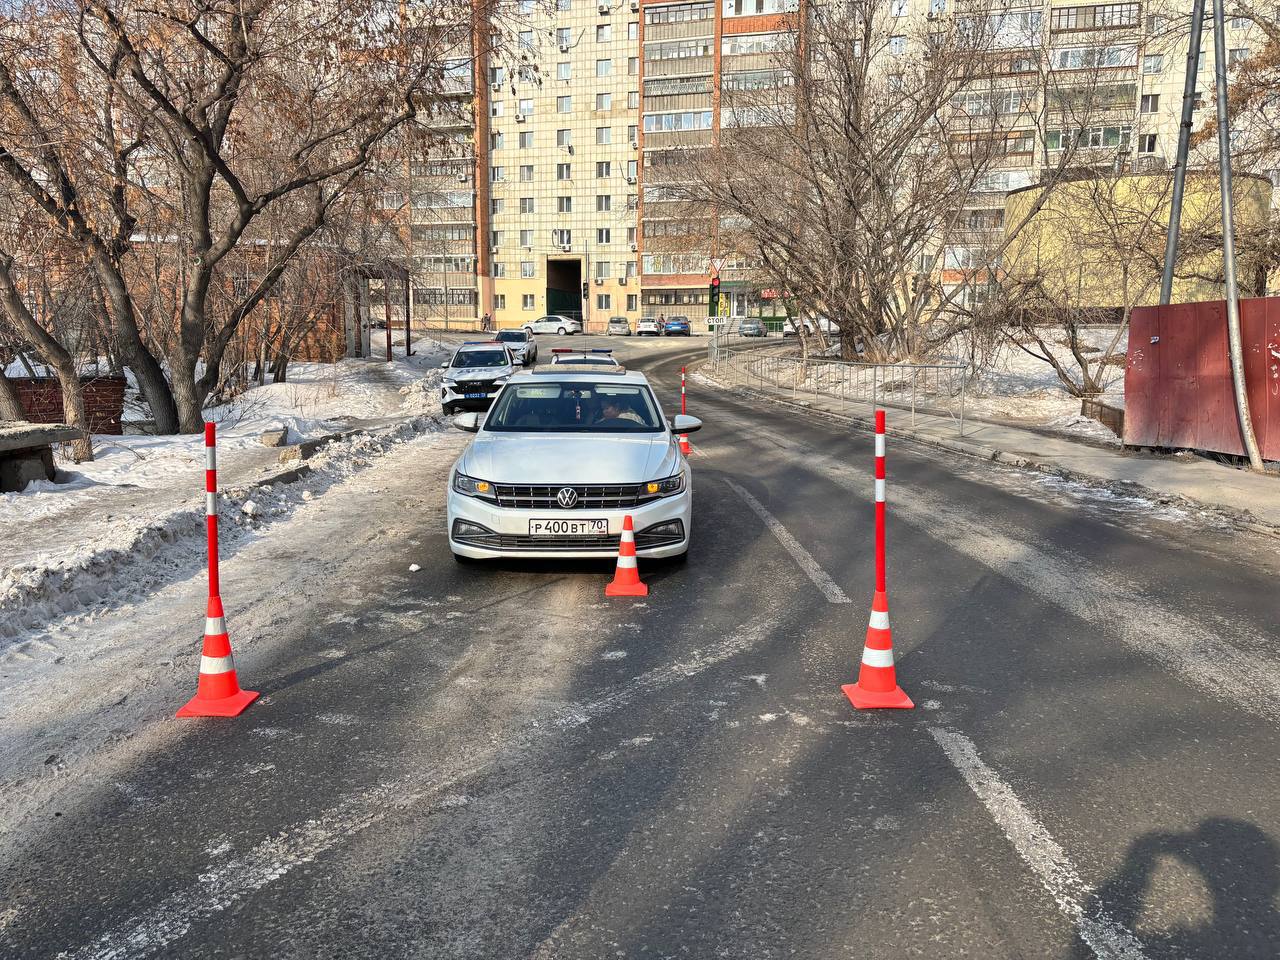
665	488
450	382
471	487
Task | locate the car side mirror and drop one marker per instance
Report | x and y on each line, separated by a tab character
445	365
685	424
470	422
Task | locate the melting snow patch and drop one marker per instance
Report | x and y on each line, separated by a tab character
932	705
253	768
218	849
338	719
886	823
767	717
638	741
613	655
455	800
271	733
758	679
414	568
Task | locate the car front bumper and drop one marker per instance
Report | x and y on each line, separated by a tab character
457	398
508	529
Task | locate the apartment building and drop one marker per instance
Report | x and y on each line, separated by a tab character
559	195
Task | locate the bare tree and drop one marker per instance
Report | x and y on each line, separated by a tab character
176	126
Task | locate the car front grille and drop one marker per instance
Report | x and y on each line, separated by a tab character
590	496
474	386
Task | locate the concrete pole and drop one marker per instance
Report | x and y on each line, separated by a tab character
1235	342
1184	140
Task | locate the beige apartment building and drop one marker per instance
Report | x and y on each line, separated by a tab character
555	200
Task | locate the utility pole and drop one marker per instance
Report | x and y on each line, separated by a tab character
1184	141
386	304
1234	340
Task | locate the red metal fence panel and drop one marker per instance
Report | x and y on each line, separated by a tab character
1177	382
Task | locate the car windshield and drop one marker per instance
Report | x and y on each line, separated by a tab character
511	336
479	358
575	407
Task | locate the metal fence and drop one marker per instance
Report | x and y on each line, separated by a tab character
772	364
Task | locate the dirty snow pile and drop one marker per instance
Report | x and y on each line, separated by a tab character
139	504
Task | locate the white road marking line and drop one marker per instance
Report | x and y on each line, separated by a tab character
1049	862
231	881
809	565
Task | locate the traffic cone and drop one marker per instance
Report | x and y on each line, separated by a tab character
626	579
218	692
877	684
684	444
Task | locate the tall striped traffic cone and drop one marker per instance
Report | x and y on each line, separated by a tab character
626	578
877	684
218	692
684	444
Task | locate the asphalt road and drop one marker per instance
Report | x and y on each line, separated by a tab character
495	761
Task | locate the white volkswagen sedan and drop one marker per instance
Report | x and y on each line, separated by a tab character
558	462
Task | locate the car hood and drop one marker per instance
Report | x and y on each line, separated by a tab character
477	373
570	458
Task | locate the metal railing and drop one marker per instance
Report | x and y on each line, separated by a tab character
772	365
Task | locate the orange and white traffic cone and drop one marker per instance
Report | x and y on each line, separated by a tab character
684	444
877	684
626	578
218	692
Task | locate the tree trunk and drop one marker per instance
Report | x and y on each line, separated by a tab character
73	409
10	405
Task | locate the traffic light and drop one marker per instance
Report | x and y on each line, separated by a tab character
586	289
713	298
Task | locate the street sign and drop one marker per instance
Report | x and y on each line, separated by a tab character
715	265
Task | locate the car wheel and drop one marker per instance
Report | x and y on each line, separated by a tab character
561	331
448	410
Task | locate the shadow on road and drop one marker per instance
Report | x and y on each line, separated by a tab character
1240	868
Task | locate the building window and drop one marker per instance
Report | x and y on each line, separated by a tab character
527	301
1153	63
604	135
562	6
603	269
633	66
1147	143
1150	103
604	33
499	269
562	238
495	174
898	8
563	71
633	30
631	234
564	204
604	68
633	302
667	122
495	141
526	140
526	239
526	39
526	204
631	133
603	236
603	169
495	108
496	75
604	202
631	170
603	301
604	101
526	268
495	204
633	99
525	107
1237	56
564	38
564	104
499	301
1092	58
563	171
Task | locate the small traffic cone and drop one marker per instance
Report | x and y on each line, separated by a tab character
684	444
877	684
626	579
218	692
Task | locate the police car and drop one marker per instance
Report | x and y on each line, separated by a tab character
594	359
475	374
563	457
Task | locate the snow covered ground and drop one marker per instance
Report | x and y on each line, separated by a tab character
62	545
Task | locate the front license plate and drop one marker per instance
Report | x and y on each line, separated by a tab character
475	396
568	528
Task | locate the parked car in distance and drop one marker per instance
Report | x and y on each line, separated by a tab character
648	327
618	326
752	328
811	324
555	323
676	327
521	343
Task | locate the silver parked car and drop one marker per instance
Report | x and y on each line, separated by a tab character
555	323
618	327
521	343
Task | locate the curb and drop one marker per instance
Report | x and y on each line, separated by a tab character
983	452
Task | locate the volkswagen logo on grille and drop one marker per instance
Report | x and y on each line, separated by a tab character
567	497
